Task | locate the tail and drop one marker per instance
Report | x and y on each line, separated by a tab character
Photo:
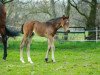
22	29
12	33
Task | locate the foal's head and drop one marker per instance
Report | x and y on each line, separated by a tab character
65	22
60	22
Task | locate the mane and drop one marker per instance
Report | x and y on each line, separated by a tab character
53	20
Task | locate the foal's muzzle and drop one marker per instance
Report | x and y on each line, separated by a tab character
68	31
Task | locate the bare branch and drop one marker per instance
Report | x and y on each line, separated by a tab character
4	2
87	2
81	21
76	7
74	2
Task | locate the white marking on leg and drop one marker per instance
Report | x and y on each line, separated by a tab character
49	47
29	60
21	56
22	60
53	49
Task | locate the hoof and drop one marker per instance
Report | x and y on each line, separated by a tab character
53	61
4	58
30	62
22	60
46	59
68	31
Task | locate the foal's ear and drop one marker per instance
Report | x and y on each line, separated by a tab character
65	17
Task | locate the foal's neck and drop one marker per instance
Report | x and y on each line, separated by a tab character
57	26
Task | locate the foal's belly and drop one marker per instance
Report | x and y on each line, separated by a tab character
42	30
39	32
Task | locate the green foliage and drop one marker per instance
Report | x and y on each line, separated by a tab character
72	58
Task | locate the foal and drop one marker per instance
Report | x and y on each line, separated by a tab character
44	29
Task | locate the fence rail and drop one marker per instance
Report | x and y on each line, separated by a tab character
78	30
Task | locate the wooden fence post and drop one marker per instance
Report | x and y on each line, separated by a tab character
96	33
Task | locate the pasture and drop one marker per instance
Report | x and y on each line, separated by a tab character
72	58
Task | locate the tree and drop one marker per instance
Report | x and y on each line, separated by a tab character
90	19
52	3
67	13
5	1
67	8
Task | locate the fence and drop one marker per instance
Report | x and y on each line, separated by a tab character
78	30
82	30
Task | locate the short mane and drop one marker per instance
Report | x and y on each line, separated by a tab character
53	20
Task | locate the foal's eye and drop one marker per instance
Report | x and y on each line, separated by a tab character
67	21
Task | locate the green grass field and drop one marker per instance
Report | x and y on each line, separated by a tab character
72	58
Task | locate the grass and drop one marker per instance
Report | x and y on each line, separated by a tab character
72	58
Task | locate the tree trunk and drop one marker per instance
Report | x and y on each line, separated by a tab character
67	9
52	3
67	13
91	20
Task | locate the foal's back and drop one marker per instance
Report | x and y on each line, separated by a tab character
43	29
39	28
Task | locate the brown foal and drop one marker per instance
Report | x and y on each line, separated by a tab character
44	29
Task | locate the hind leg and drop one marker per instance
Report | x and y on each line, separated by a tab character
4	40
28	50
21	49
